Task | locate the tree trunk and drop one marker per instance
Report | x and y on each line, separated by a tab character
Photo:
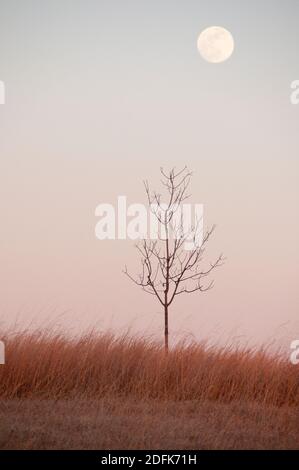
166	328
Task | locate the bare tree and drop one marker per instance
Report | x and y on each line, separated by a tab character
167	268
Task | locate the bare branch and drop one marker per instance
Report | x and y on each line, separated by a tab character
168	269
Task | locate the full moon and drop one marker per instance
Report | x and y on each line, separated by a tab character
215	44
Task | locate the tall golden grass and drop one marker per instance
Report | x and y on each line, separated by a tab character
51	365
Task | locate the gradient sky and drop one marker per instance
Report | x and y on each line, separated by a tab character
99	95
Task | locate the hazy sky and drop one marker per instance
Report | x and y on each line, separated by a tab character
99	95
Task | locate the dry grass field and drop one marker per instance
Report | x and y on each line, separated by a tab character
103	392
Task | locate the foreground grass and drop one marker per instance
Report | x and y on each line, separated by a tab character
99	391
50	365
130	424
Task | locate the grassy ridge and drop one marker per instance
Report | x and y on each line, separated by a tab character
50	365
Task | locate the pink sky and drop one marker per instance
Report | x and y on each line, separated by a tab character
94	107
